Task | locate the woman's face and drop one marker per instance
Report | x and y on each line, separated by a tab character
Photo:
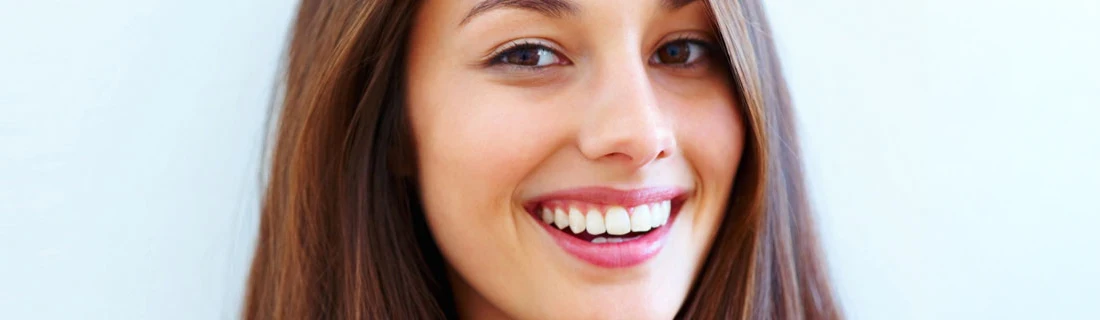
575	156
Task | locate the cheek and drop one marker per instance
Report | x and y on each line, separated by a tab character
482	141
711	134
712	137
475	145
715	142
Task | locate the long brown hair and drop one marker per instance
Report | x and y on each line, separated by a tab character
342	234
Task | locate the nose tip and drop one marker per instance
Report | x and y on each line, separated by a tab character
634	140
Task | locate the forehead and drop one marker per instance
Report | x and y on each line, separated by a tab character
462	11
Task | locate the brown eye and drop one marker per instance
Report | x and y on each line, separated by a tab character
534	56
683	52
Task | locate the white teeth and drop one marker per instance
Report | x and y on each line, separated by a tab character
655	215
547	215
617	221
659	213
560	219
594	222
576	220
667	207
599	240
615	240
639	221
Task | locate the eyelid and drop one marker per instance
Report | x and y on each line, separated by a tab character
500	49
702	38
707	39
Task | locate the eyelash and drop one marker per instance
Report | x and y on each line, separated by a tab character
497	58
710	51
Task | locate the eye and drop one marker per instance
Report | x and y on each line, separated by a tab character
680	53
528	55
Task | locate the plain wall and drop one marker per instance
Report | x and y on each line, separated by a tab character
952	150
130	134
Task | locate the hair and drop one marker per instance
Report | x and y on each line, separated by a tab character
342	233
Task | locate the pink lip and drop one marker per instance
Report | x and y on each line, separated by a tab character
612	255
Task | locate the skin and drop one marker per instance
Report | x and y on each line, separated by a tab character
492	136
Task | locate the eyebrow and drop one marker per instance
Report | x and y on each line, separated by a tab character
551	8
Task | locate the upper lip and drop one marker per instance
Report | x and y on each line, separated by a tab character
609	196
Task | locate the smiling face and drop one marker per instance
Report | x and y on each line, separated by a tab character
575	156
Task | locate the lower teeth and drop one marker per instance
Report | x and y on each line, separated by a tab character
612	239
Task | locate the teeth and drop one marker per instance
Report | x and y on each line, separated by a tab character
599	240
594	222
659	213
615	240
666	209
639	221
576	220
617	221
560	219
655	215
547	215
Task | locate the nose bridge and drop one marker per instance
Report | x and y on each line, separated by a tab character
624	122
625	90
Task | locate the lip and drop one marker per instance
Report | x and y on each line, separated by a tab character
612	255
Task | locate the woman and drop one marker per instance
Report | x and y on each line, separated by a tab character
535	159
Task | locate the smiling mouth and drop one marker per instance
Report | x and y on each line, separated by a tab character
599	224
607	227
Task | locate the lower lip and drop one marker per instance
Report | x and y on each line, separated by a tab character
615	255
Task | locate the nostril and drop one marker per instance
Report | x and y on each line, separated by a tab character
619	156
639	158
635	143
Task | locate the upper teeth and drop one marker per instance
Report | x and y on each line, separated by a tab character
613	220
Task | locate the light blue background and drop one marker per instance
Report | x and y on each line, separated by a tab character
953	153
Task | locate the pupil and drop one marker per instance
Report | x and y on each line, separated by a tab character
525	57
674	51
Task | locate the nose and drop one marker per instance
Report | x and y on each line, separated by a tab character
624	123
